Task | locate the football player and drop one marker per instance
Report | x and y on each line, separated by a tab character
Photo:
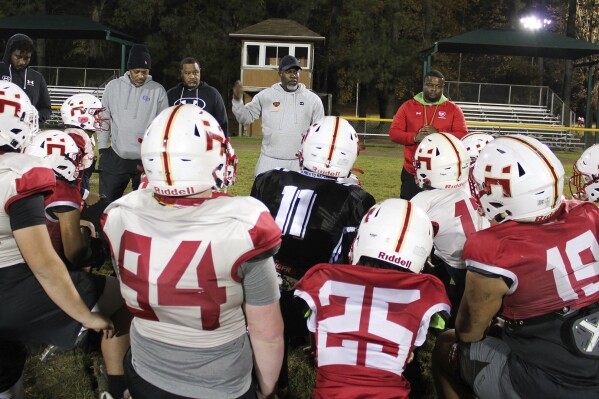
317	213
368	318
442	165
41	301
474	143
82	116
62	205
538	265
584	183
192	262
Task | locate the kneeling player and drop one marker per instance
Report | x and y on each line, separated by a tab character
538	266
368	318
196	269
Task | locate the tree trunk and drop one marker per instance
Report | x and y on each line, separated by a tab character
570	32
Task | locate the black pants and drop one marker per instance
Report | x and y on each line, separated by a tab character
409	188
142	389
115	174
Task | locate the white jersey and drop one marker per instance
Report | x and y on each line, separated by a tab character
20	176
178	259
455	217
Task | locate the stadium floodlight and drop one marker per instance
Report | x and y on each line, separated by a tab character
533	22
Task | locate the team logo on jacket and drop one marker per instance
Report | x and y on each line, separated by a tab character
418	113
301	103
442	114
146	98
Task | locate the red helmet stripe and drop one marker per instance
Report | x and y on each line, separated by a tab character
457	154
404	228
547	163
165	144
333	141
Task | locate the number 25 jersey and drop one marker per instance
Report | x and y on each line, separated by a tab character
366	322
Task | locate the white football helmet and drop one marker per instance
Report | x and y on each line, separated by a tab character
60	149
329	147
85	144
395	231
84	111
441	161
184	152
584	183
517	178
475	142
18	117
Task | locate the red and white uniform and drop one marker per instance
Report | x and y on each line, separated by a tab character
177	262
65	196
453	213
20	176
551	265
367	322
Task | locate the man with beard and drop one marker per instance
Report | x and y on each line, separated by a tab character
428	112
287	110
194	91
15	68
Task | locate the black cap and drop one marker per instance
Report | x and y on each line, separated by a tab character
289	62
139	57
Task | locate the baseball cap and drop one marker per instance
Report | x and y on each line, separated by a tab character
289	62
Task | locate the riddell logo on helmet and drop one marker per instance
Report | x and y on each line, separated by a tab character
174	191
395	259
326	172
455	185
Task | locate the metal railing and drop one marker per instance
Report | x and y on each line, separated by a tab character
80	77
511	94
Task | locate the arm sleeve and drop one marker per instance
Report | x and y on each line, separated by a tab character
459	128
260	284
248	113
103	135
162	100
399	131
220	113
44	105
27	212
318	112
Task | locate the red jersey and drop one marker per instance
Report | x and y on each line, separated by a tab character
66	197
551	265
366	322
446	117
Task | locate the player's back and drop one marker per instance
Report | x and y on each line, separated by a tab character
20	176
313	213
178	260
367	322
453	211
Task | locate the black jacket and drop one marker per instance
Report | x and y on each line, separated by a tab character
31	81
204	96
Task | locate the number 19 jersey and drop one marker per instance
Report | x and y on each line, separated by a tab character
366	322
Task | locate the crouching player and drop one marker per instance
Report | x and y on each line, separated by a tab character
368	318
196	269
42	302
538	266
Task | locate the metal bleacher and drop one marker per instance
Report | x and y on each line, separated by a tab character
58	95
533	120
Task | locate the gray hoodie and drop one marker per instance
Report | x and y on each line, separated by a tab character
285	117
130	109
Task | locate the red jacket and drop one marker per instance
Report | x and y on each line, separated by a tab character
446	117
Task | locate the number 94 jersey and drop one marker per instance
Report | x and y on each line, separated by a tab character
178	261
366	323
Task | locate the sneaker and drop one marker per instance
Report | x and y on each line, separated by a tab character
107	395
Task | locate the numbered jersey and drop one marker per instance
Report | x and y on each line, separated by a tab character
66	197
366	323
178	259
20	176
548	266
453	212
318	216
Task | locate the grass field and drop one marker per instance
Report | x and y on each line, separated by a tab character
71	375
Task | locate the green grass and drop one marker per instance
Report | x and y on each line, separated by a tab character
71	375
